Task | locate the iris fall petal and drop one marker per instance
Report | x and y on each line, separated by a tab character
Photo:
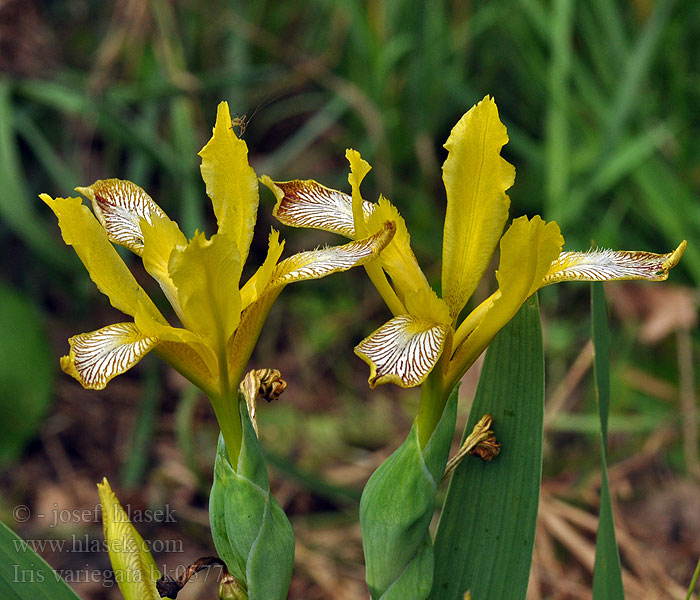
97	357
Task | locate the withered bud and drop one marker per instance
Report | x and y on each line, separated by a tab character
480	442
488	449
267	383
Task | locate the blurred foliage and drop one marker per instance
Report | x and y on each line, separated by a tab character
24	392
599	98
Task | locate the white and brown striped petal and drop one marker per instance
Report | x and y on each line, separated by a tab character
306	203
403	351
119	205
314	264
611	265
98	356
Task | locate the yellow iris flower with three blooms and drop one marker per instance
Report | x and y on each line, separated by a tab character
427	342
200	277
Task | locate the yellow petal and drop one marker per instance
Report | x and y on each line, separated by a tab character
310	204
403	351
476	178
81	230
255	286
527	250
98	356
206	274
610	265
358	170
120	205
425	303
160	237
134	568
231	183
397	258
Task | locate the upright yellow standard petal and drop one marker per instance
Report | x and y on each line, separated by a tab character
231	182
359	168
120	205
206	274
81	230
527	251
476	179
101	355
134	569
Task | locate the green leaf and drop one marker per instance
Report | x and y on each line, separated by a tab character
26	372
396	508
486	532
24	575
250	530
607	572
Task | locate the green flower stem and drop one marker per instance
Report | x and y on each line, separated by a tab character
433	398
226	410
227	413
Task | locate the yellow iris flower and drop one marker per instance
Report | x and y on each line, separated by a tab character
200	277
426	335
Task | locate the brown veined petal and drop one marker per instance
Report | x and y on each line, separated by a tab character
314	264
98	356
610	265
403	351
120	205
306	203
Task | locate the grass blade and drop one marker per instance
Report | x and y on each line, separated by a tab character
607	571
487	529
693	581
17	208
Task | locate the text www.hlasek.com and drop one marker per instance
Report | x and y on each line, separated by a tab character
84	544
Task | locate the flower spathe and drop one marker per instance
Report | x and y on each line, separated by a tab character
426	335
220	319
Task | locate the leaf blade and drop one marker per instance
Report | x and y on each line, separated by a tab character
495	530
607	571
